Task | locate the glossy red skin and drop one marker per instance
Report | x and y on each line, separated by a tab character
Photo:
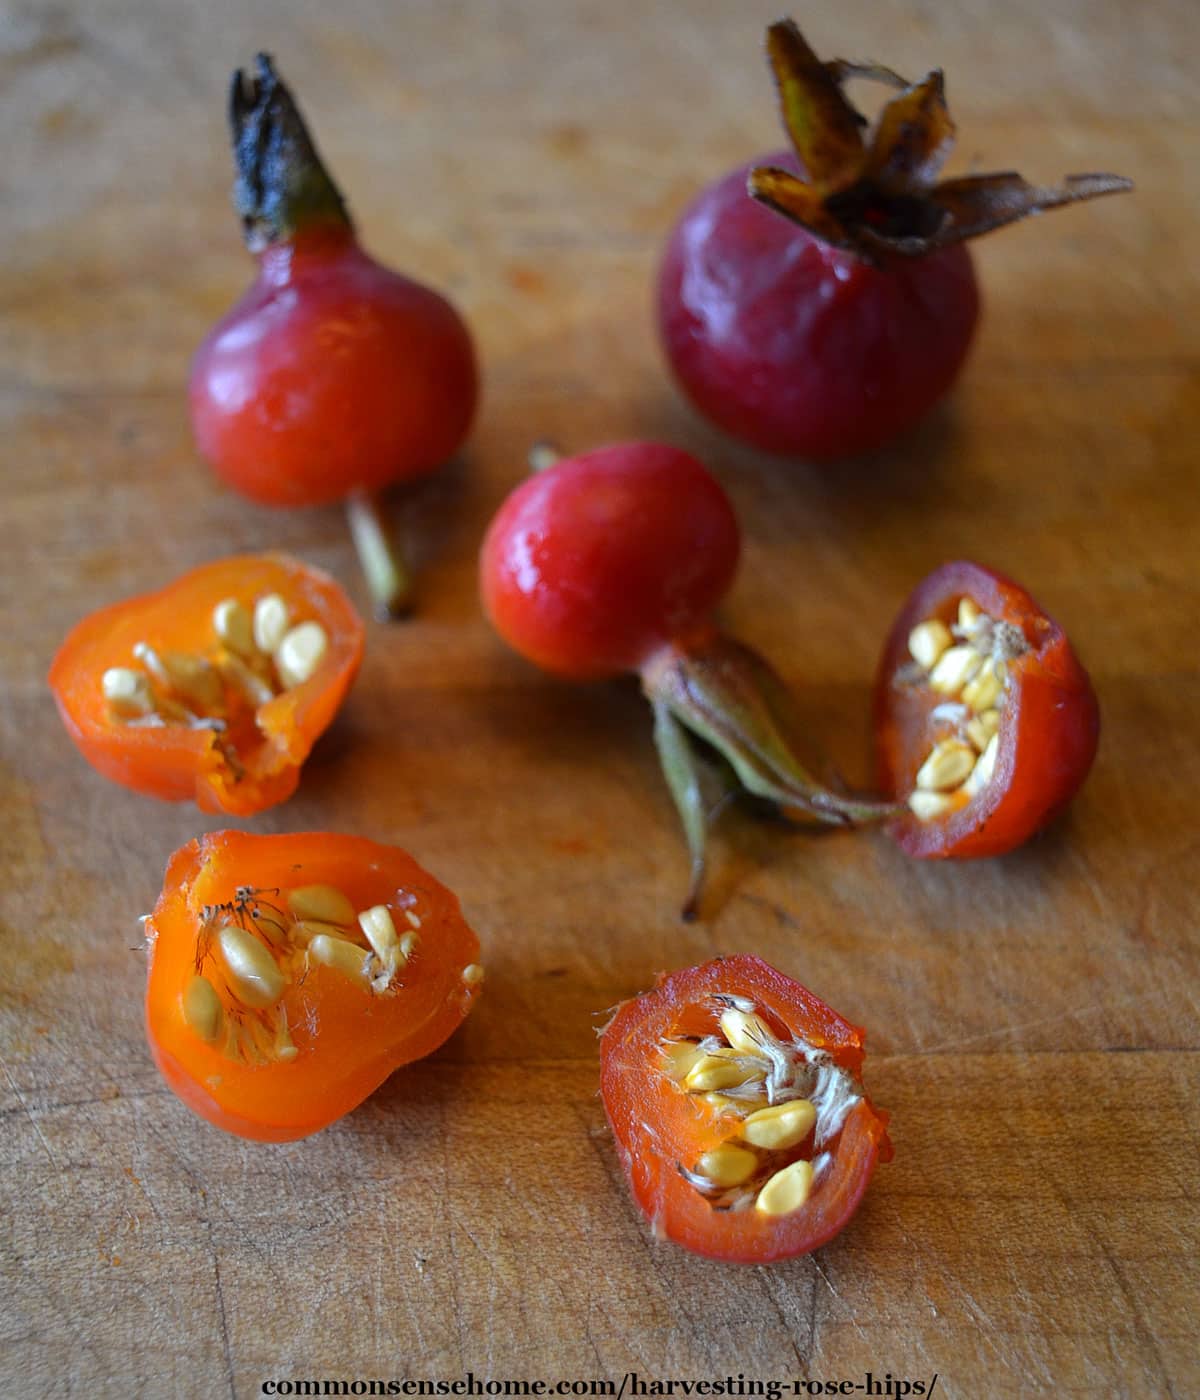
1049	723
799	348
331	373
593	565
656	1126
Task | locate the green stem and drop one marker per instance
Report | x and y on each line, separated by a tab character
683	779
387	575
543	455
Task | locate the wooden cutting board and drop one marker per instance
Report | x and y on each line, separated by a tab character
1031	1019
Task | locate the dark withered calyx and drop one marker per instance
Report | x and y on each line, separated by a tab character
873	190
282	185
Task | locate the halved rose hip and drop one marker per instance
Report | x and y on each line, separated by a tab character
736	1100
290	975
986	723
216	687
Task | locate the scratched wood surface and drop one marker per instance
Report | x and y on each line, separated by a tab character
1032	1019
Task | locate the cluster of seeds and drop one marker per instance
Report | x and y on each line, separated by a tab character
967	664
257	653
252	949
779	1096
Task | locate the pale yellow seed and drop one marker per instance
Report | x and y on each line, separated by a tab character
408	942
127	692
727	1165
719	1103
715	1072
202	1009
153	663
165	705
744	1031
324	903
927	641
344	957
954	669
982	727
377	924
981	774
754	1062
300	653
254	973
285	1048
305	930
928	806
986	688
946	767
241	1044
968	614
680	1056
472	974
413	919
787	1190
194	679
250	686
781	1125
272	617
232	624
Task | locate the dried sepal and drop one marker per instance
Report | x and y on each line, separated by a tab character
979	203
281	183
782	191
913	136
823	126
878	197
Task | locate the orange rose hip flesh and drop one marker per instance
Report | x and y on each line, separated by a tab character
290	975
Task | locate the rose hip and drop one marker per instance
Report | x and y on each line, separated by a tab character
612	562
333	376
831	330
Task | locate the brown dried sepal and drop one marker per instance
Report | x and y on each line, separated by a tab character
878	196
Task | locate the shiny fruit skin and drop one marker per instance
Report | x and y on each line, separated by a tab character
594	564
331	374
799	348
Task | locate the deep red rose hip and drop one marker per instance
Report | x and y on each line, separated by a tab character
829	331
333	376
612	562
800	348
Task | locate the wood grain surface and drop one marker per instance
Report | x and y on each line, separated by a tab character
1032	1020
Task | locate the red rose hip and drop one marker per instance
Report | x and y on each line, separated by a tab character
835	328
595	563
612	562
333	376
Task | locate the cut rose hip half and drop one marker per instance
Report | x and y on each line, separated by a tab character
290	975
214	688
986	723
736	1101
